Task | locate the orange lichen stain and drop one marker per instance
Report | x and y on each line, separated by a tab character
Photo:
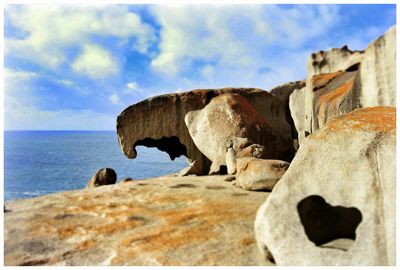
378	119
247	241
336	94
322	79
67	232
41	228
86	244
177	233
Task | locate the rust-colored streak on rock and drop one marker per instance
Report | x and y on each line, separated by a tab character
152	225
247	241
336	94
319	81
86	244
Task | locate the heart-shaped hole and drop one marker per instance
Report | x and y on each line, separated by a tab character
324	223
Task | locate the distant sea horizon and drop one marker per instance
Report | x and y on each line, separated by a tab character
40	162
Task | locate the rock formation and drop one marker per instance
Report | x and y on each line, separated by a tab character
378	71
341	184
334	204
341	80
297	111
188	221
159	121
284	92
228	117
259	174
104	176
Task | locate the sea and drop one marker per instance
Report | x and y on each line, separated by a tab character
42	162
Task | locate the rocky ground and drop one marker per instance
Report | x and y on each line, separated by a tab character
162	221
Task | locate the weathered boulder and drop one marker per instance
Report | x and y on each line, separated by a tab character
104	176
284	92
187	221
378	71
159	121
296	107
259	174
341	80
340	185
216	127
127	179
334	94
193	168
322	69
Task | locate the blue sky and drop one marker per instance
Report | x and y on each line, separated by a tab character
75	67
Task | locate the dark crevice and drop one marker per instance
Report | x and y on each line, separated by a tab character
353	67
324	223
223	169
171	145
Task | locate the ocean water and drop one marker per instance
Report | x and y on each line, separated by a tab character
42	162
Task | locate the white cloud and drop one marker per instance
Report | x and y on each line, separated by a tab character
17	88
132	85
95	62
114	99
248	46
234	37
21	111
46	32
65	82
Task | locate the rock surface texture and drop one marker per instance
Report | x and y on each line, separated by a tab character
297	112
104	176
226	120
335	205
284	92
378	71
159	121
165	221
259	174
341	80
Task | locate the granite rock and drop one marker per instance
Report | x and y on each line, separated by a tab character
340	186
192	220
104	176
159	121
259	174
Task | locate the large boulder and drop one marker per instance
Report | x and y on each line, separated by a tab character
187	221
284	92
216	127
322	68
378	71
159	121
259	174
104	176
335	205
341	80
296	108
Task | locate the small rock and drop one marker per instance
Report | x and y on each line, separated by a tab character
259	174
231	161
193	168
127	179
104	176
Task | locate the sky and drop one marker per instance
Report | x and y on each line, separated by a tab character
78	67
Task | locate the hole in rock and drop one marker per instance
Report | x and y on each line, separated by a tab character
171	145
324	223
223	169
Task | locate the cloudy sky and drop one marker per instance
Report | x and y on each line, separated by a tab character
76	67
